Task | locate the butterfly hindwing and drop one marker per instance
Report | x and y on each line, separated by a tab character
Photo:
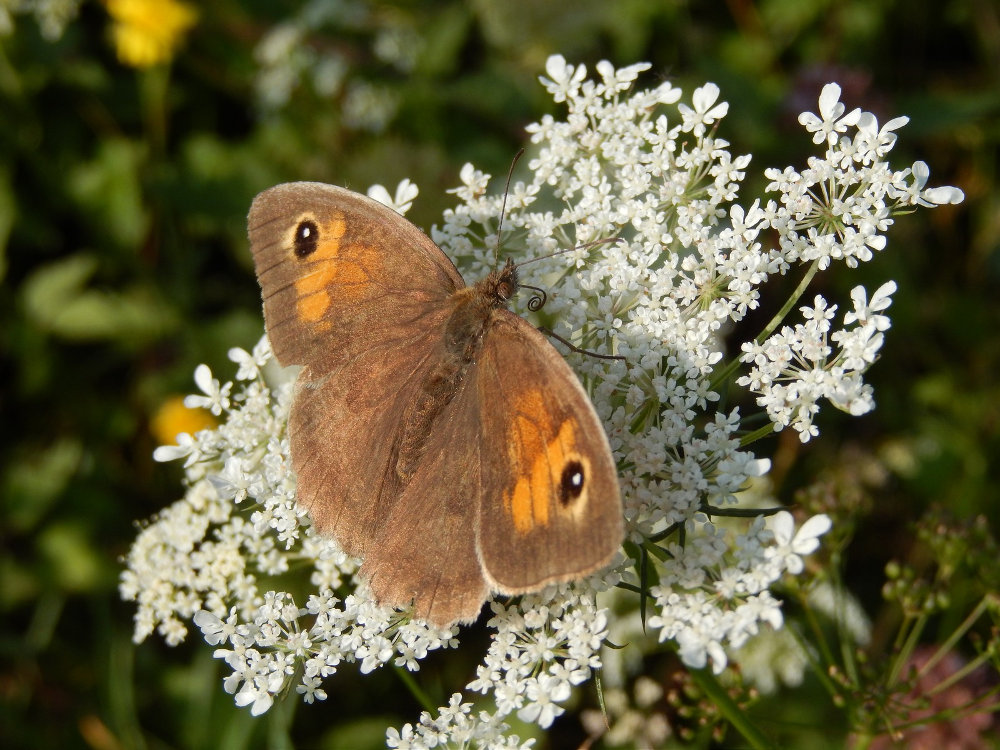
425	552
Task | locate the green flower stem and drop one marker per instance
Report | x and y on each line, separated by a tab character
861	740
735	715
726	372
959	675
949	716
819	639
712	510
415	690
279	722
790	302
818	668
723	375
954	638
909	643
758	434
154	85
847	651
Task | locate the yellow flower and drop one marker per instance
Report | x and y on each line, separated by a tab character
147	32
173	418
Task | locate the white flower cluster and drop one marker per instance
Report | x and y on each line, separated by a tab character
796	367
53	16
201	559
456	726
631	221
289	60
267	652
705	615
544	646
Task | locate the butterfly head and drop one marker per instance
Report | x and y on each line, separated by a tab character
501	285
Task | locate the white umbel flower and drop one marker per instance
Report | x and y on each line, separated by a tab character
659	256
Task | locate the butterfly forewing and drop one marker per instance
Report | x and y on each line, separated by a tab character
552	510
358	296
341	273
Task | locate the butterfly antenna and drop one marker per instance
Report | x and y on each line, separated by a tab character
538	300
503	205
584	246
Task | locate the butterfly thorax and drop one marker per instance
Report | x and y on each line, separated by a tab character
465	329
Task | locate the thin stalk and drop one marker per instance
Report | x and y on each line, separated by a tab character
726	372
959	675
790	302
847	652
818	669
415	690
954	638
903	656
279	725
758	434
728	708
819	641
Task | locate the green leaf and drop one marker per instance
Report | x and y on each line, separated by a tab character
109	191
56	298
35	479
74	561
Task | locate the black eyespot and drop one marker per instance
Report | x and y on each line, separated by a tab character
306	237
571	483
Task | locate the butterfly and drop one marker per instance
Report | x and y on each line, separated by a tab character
434	433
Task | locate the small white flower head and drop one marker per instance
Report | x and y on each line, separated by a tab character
831	121
564	79
213	629
186	446
705	112
456	726
406	193
250	363
868	314
216	398
234	480
915	193
789	549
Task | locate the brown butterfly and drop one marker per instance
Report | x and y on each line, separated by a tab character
434	433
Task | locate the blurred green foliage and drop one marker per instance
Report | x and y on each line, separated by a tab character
123	264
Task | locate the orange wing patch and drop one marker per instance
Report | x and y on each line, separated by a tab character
332	262
538	452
